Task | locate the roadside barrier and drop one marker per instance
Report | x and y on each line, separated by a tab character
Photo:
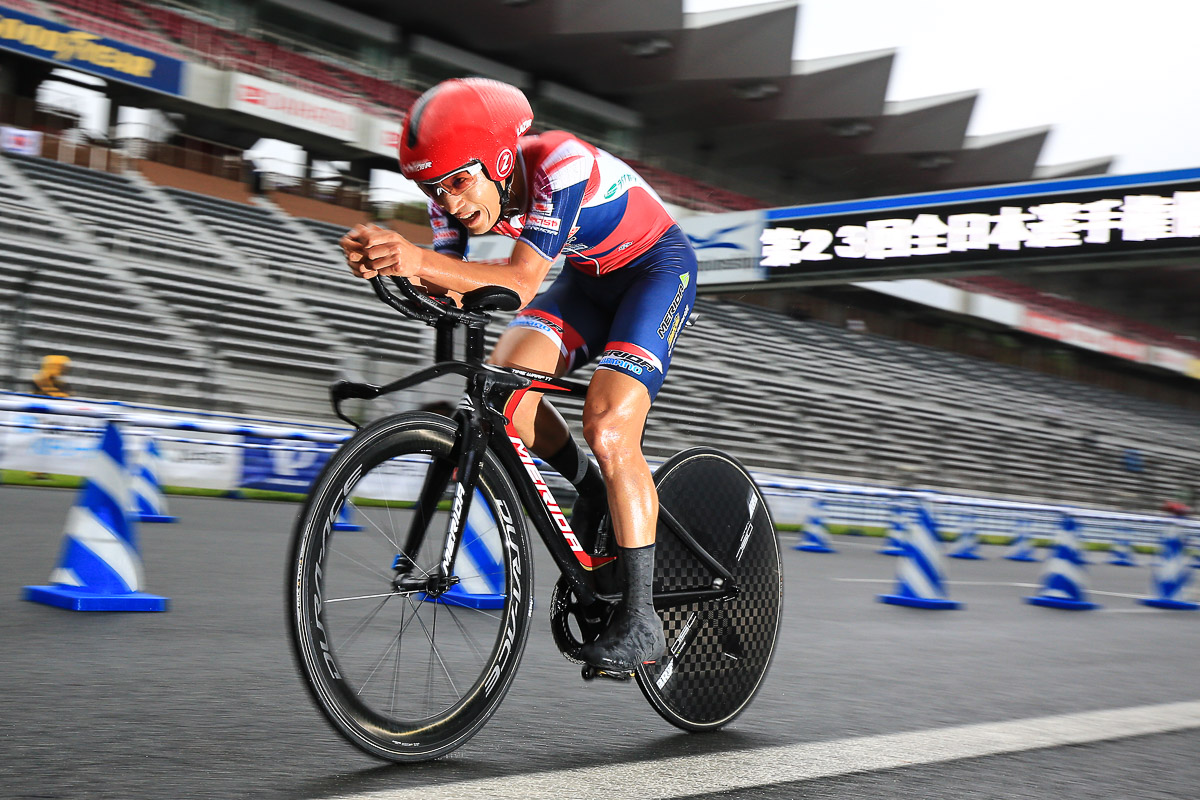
1065	576
482	553
965	546
1121	550
1022	547
1171	574
100	568
897	527
149	504
815	537
245	454
345	519
919	580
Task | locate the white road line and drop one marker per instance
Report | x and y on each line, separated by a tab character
744	769
952	583
992	583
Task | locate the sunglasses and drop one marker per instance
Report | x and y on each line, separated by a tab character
454	184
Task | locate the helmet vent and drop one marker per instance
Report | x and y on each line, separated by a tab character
418	108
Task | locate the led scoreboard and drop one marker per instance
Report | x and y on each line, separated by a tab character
1084	220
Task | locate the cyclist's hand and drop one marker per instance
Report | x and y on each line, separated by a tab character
386	252
352	247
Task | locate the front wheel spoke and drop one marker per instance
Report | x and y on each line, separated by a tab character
435	652
374	572
404	626
393	641
379	528
467	635
362	624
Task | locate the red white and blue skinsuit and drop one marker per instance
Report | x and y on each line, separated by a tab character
629	283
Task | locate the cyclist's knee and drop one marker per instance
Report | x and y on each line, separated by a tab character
614	434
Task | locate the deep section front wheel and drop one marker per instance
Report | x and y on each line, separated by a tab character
404	666
718	651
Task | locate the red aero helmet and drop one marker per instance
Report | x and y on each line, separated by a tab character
460	121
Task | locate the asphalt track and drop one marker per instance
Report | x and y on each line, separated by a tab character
864	700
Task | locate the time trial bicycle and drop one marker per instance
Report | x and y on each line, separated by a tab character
408	631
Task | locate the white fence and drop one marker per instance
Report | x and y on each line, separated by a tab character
230	452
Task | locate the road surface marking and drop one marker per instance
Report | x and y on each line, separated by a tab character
711	773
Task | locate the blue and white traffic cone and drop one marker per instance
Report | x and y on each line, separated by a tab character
1171	573
1121	549
968	539
1022	546
100	568
1065	576
815	536
896	531
149	504
919	580
345	518
480	562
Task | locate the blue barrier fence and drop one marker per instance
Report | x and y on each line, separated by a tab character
843	504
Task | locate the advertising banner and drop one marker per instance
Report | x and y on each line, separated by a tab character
29	442
288	466
379	135
727	245
288	106
19	140
1086	219
196	464
89	52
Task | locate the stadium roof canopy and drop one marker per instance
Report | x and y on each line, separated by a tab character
720	89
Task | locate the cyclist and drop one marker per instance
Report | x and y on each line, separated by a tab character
627	288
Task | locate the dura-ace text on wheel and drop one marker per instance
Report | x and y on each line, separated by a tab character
407	664
718	651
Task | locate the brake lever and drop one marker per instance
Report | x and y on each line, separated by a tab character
348	390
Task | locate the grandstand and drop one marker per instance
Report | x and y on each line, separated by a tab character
268	333
198	293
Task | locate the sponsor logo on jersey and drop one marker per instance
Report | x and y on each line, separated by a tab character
444	237
624	360
665	325
548	224
616	187
439	223
543	207
546	326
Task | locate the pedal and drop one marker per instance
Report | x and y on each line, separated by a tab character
590	673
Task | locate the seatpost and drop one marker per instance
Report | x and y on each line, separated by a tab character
443	341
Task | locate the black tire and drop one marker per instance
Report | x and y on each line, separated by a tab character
718	651
401	676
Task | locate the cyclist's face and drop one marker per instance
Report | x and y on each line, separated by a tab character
478	207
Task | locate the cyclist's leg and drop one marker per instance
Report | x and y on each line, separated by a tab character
556	333
614	418
538	423
656	300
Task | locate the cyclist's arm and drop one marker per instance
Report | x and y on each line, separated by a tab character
388	253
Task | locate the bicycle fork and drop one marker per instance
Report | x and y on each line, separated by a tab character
471	441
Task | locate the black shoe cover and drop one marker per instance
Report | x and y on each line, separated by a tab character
634	638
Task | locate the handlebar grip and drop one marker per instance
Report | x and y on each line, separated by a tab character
414	304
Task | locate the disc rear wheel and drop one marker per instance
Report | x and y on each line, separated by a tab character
718	651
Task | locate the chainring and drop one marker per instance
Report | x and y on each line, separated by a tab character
565	608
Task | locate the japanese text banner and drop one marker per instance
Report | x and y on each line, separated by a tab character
1095	223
